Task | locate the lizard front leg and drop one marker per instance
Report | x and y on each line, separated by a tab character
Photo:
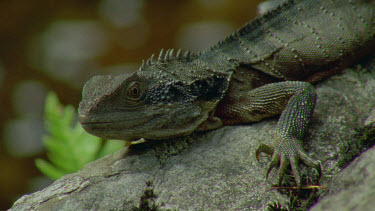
291	127
295	100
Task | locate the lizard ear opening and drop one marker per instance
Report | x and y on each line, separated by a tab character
133	92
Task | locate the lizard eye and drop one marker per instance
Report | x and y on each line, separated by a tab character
134	91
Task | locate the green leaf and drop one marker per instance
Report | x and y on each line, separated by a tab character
48	169
69	148
110	146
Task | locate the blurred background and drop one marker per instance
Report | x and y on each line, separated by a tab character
58	45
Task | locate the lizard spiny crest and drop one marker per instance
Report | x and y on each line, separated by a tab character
166	57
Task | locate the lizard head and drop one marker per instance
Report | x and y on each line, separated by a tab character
165	98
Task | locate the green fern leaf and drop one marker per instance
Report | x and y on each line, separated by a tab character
68	146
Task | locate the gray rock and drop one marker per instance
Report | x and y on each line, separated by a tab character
354	187
217	170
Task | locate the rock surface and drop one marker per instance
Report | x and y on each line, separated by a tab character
217	170
354	187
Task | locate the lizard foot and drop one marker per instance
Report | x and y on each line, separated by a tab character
287	152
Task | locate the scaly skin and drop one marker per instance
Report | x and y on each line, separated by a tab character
259	71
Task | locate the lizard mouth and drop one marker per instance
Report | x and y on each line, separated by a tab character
85	120
129	122
129	129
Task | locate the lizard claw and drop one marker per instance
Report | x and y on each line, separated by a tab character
284	153
263	148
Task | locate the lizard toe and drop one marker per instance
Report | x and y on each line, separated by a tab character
283	167
274	163
286	160
264	148
296	172
308	161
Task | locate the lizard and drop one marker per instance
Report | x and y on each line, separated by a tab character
263	69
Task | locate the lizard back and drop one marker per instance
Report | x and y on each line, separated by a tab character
299	38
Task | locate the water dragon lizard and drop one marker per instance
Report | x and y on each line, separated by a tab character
263	69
